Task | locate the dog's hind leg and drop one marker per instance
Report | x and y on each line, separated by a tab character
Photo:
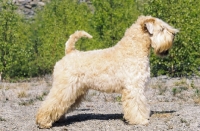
74	106
78	101
61	97
136	109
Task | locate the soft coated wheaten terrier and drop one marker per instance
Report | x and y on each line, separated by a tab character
123	68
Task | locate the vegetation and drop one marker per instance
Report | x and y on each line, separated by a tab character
15	52
184	58
52	28
111	18
31	47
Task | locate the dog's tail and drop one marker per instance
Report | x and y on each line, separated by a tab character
70	44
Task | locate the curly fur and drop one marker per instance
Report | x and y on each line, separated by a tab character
123	68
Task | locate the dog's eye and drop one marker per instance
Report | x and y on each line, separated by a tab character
173	34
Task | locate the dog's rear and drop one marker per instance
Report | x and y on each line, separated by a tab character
70	44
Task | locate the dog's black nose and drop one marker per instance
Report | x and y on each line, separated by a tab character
164	53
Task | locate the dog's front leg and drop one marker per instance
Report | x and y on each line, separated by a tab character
136	109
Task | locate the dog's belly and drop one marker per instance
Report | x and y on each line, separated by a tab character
104	83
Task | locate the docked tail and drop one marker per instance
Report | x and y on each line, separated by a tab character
70	44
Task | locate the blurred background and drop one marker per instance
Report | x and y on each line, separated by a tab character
33	32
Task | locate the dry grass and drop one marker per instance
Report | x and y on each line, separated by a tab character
1	86
8	86
185	83
41	97
22	94
25	85
176	90
160	86
23	88
42	81
27	103
39	82
31	101
197	96
182	85
197	100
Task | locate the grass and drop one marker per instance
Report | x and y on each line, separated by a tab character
162	89
7	86
184	121
160	86
183	81
31	101
197	96
1	86
174	91
118	98
2	119
193	85
41	97
22	94
181	85
23	87
177	90
27	103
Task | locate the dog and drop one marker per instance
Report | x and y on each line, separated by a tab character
123	68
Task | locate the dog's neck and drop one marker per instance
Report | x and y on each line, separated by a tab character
133	40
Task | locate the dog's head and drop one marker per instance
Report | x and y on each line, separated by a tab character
160	33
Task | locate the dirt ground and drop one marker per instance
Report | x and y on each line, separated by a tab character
175	106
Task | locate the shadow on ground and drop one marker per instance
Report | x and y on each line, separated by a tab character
90	116
161	112
84	117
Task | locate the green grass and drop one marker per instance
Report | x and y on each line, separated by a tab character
118	98
2	119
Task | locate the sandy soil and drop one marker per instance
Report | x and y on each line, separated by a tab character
175	106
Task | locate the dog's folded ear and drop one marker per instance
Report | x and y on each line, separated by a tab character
148	24
149	27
